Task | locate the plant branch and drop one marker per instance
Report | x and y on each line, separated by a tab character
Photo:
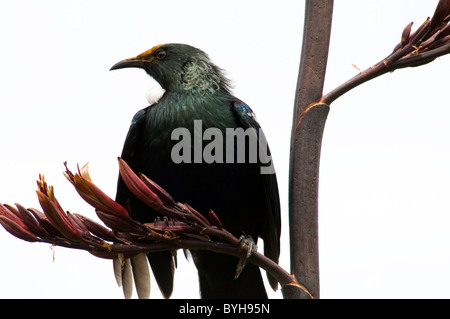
429	41
307	129
183	226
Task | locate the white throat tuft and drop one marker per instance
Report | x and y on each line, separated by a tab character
154	94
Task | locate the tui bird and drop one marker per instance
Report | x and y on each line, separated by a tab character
198	97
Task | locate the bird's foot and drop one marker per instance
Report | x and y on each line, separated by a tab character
164	219
252	249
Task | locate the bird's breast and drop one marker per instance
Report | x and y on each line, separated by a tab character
176	111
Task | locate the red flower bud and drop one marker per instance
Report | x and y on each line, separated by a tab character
54	212
406	33
92	194
14	225
440	14
215	219
138	187
97	229
17	230
56	215
114	221
31	222
159	191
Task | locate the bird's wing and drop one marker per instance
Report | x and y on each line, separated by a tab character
161	262
271	232
134	133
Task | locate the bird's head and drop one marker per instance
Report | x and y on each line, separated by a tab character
178	67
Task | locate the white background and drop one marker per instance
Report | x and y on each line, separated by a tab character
384	187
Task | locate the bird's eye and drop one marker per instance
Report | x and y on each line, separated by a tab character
161	54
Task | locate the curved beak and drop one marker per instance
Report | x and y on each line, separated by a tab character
128	63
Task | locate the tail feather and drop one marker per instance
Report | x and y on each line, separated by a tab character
136	267
163	268
141	274
217	277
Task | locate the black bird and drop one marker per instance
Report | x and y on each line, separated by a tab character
245	199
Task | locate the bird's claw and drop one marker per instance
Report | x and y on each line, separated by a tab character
252	248
165	219
157	219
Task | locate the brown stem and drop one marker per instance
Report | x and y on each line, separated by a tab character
100	249
308	124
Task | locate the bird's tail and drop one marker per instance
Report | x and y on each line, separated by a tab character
217	277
